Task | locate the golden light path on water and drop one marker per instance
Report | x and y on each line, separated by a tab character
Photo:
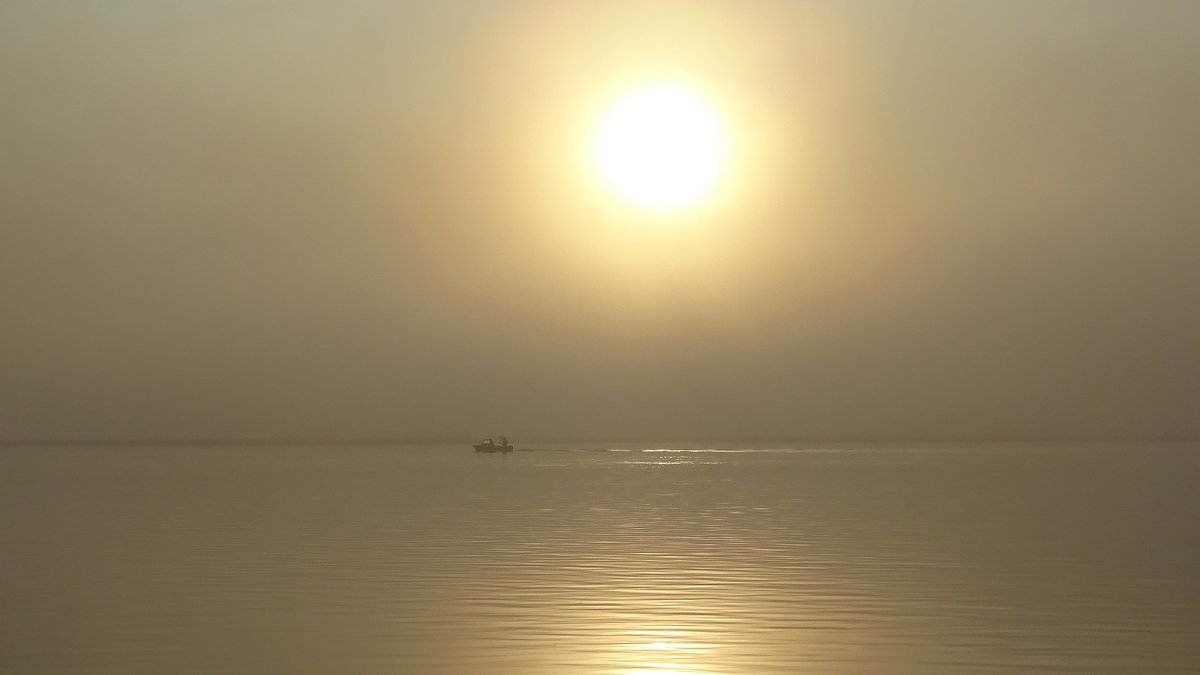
650	594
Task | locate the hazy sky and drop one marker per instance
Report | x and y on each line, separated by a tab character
369	218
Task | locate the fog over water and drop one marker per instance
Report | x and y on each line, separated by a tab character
375	219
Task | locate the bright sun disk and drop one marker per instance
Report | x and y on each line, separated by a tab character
661	146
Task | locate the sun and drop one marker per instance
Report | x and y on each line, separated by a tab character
661	146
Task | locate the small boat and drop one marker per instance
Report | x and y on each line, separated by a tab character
491	446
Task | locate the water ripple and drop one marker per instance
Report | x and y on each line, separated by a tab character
623	560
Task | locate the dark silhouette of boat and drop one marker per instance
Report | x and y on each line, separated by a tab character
491	446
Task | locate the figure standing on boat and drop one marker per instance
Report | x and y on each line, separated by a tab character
489	445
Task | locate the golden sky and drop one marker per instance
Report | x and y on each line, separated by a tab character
365	218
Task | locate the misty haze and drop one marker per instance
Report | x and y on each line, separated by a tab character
793	337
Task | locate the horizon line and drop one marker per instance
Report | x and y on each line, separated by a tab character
264	441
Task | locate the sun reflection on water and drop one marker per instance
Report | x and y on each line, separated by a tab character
687	656
653	668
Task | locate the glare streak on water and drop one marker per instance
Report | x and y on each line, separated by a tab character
894	559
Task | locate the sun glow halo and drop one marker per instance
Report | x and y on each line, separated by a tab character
661	146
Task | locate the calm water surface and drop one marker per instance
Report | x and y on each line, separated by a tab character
856	559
